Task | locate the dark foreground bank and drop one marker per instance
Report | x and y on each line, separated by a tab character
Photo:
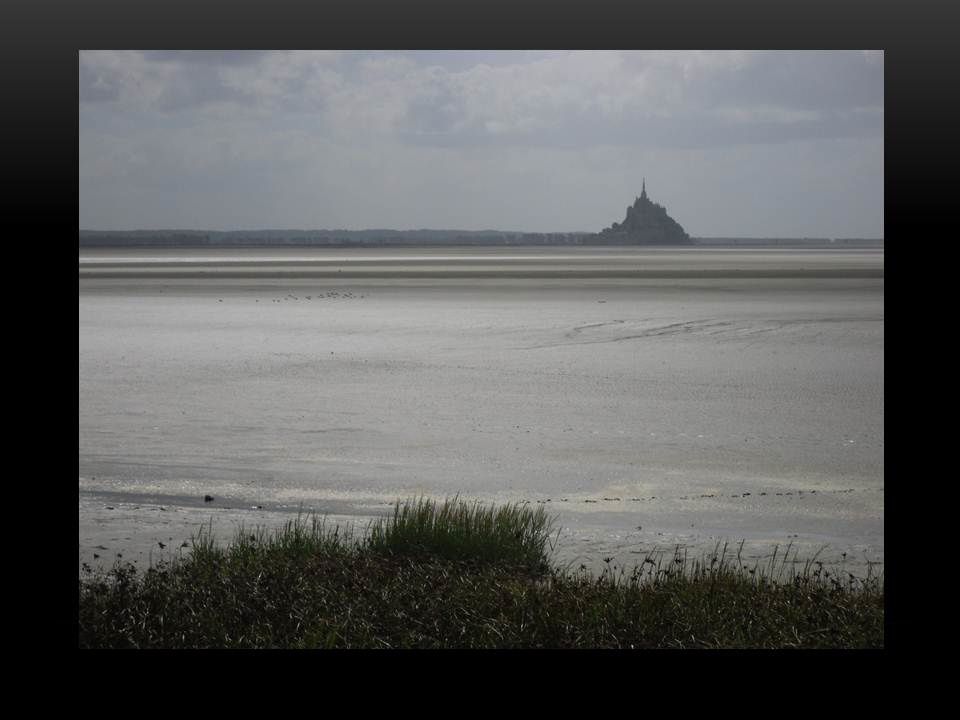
455	575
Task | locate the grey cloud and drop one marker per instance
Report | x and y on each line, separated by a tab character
97	87
751	98
803	79
580	129
206	57
182	81
674	98
202	85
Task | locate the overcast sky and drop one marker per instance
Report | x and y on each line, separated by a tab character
732	143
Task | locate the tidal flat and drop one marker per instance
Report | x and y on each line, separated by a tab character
648	398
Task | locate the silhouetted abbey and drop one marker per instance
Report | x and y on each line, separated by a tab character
646	224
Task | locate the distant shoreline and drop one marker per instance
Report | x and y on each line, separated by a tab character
305	274
418	238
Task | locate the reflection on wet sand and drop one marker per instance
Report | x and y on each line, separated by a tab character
646	410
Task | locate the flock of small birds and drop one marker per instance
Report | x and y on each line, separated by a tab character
332	295
695	497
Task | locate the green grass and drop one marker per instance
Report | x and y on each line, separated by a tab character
454	530
453	574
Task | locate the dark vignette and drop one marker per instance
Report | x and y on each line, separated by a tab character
920	130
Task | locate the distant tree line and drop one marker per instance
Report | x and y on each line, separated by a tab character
327	238
399	238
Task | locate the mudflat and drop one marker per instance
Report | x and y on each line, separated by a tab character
650	397
480	263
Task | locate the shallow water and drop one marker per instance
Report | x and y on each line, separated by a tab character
645	411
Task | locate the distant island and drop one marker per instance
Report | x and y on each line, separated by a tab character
646	224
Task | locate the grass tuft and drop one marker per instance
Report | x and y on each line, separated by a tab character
455	530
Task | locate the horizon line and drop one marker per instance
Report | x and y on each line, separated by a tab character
461	230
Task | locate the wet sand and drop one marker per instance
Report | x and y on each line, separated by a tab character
646	410
574	263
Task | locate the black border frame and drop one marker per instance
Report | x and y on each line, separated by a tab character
920	128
